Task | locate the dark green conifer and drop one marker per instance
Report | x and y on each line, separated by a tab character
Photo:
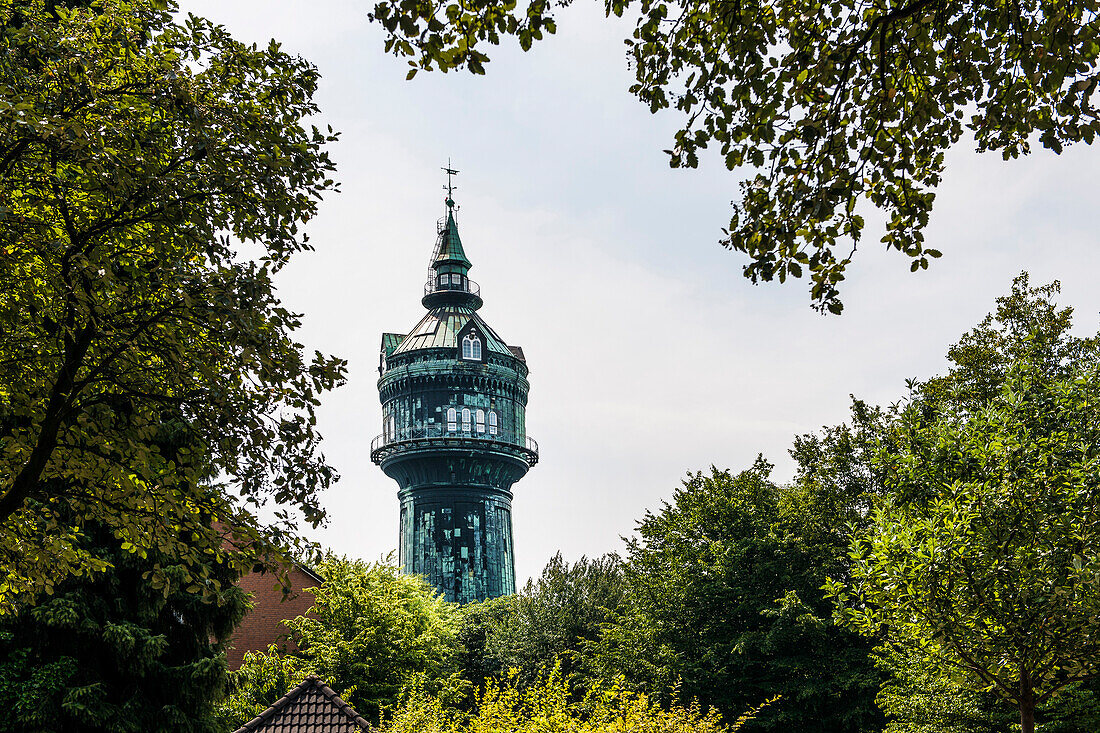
119	650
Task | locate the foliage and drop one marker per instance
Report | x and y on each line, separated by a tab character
144	161
922	698
825	107
554	621
1026	326
994	574
113	653
372	633
724	600
548	705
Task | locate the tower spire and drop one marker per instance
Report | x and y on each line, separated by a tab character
448	274
450	187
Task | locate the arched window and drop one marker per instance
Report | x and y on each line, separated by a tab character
480	421
466	419
391	424
492	422
452	419
471	346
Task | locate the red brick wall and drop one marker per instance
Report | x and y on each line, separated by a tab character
262	625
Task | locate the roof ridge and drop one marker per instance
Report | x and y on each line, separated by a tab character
311	681
282	702
343	705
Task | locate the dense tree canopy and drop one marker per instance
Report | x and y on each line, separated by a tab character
724	603
113	653
826	109
554	621
154	175
372	634
980	560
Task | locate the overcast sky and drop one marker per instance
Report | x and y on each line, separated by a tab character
650	355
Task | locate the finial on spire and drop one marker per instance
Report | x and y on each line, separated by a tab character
450	187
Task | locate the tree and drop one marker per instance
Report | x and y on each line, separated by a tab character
994	574
113	653
372	633
724	600
154	177
554	621
825	107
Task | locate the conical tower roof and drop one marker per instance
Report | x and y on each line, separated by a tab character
449	248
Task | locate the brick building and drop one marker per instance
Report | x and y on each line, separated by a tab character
263	625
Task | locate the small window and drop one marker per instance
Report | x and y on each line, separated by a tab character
452	419
492	422
466	419
471	347
392	428
481	421
444	279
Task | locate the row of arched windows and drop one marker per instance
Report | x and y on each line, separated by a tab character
477	424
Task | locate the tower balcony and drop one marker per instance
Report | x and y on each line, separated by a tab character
435	285
451	288
435	436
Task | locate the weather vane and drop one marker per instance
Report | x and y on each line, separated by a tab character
450	172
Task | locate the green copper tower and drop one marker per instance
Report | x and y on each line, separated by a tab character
454	396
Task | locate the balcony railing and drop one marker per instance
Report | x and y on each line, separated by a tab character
468	287
440	433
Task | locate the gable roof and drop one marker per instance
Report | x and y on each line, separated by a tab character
311	707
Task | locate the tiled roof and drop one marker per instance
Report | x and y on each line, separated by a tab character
311	707
440	327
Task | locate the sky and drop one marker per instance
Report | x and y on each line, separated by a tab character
650	355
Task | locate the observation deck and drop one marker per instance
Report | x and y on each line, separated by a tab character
450	289
435	436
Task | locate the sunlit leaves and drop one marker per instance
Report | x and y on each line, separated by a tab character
141	354
984	560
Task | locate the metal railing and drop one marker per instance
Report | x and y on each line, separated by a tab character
439	432
469	287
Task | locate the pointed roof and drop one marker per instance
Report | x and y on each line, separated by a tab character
449	248
311	707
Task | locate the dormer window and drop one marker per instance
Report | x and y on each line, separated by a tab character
471	347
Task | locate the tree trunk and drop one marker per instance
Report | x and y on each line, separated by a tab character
1027	708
